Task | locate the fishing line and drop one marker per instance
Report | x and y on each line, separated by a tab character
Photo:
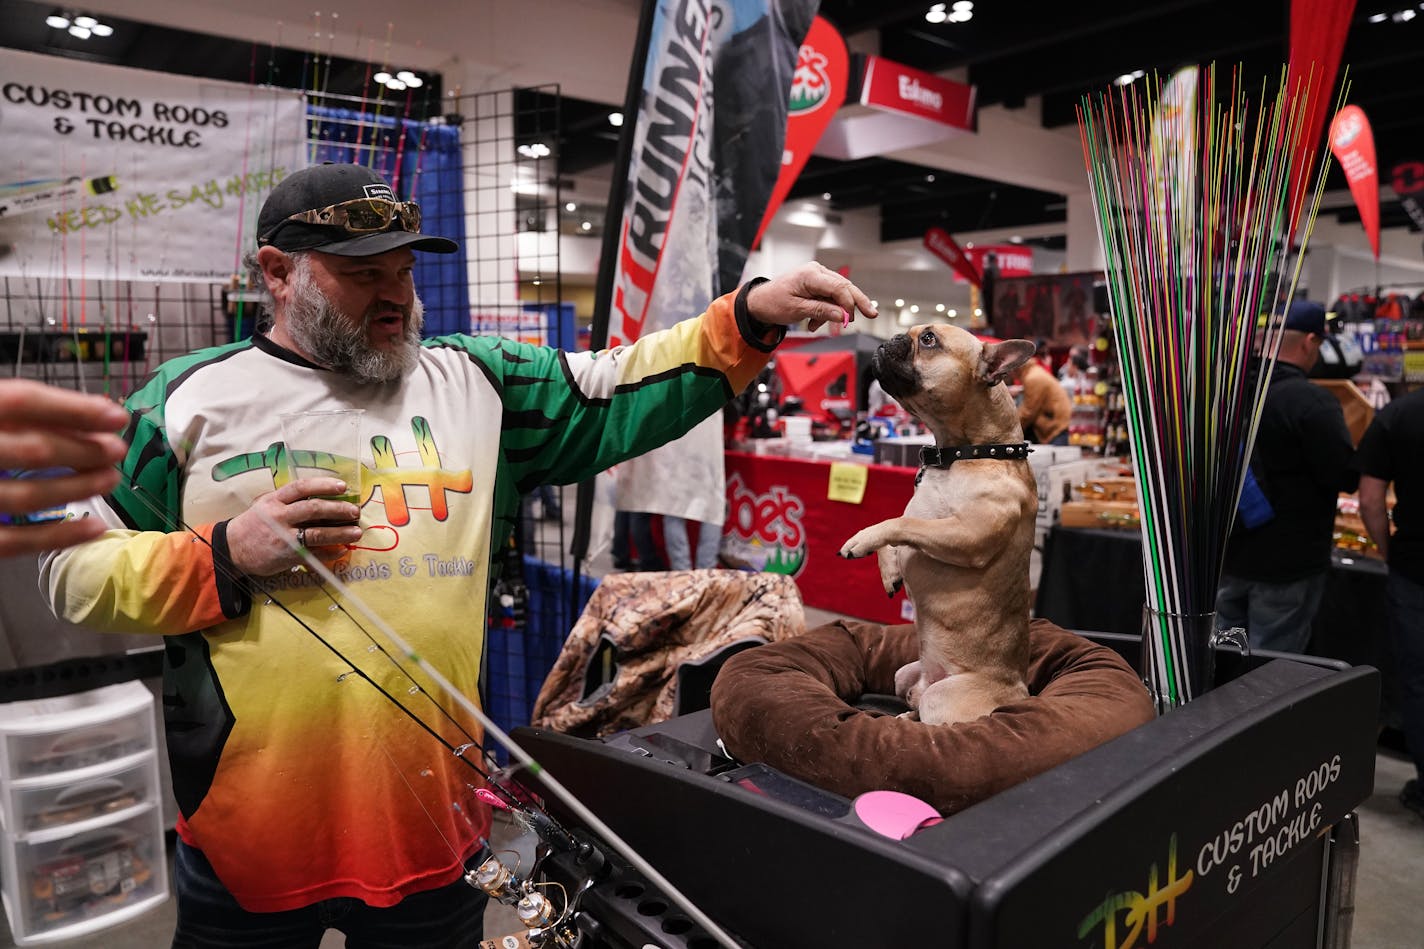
236	577
547	779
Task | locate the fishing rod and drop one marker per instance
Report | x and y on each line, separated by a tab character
492	876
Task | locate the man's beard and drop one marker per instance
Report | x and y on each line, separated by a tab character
333	340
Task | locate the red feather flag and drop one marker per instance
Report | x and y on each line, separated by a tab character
1317	41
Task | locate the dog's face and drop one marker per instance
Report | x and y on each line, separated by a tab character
935	369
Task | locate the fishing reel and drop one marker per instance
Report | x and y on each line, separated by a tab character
577	894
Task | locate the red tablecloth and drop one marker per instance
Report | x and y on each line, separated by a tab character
780	519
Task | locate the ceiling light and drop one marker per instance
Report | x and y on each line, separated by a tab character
615	119
1404	16
939	307
571	207
395	85
960	16
929	178
80	27
535	150
978	311
1016	239
914	308
382	77
875	304
936	14
537	281
825	196
899	303
963	6
586	226
414	82
405	76
969	244
953	313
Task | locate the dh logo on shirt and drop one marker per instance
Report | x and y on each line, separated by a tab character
385	474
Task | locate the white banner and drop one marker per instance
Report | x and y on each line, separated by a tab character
115	173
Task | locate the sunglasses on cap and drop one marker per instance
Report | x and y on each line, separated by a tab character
361	216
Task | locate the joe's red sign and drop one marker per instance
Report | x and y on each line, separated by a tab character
764	530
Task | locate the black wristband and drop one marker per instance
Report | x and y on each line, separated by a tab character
752	329
233	595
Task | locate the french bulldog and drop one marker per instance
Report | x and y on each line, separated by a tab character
962	548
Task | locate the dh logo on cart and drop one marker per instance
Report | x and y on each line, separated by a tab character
766	528
1133	911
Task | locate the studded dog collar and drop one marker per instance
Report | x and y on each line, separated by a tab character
933	456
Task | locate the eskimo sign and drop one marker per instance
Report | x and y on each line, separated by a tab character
672	148
912	91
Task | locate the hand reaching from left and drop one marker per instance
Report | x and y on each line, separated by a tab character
811	292
43	427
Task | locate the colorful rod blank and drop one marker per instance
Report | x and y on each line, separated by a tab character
1191	188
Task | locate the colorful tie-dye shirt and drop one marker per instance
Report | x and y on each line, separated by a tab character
296	777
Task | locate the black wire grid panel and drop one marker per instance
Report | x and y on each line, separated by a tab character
495	185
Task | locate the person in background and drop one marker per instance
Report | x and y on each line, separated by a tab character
1073	374
1390	453
46	427
1044	409
1273	575
308	798
680	553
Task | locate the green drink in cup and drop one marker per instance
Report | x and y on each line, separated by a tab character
325	445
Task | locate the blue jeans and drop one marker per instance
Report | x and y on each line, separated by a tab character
679	550
1276	616
451	917
1406	632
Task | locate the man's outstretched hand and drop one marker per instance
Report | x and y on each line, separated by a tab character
45	427
811	292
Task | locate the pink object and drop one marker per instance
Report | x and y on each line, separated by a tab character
894	815
485	795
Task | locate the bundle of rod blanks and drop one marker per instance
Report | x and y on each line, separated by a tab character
1195	211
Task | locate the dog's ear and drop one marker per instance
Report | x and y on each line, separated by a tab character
999	360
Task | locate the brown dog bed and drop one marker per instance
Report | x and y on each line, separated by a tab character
788	704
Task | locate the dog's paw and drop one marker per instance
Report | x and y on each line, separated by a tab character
891	580
861	545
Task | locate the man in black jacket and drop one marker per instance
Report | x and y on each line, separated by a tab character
1274	574
1390	452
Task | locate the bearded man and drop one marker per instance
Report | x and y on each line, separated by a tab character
312	764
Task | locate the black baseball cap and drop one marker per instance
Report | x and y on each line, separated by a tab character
1307	316
321	186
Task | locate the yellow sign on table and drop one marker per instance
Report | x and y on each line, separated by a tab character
847	482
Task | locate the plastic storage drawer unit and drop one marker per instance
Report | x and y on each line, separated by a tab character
82	845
